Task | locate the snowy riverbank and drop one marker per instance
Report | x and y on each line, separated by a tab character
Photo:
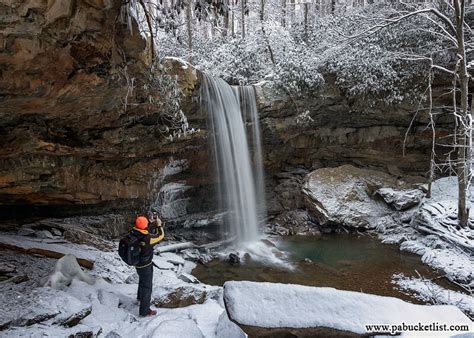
430	231
109	305
398	212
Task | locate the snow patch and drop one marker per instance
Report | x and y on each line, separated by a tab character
66	270
428	291
274	305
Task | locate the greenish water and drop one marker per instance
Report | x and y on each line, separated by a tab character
347	262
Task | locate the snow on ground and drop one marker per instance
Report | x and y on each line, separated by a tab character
274	305
457	264
111	301
430	231
80	251
427	291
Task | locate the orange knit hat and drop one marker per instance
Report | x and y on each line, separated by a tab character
141	223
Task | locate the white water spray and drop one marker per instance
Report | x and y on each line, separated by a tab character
238	183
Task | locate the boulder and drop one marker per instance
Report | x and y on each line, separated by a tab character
186	277
185	295
345	196
66	270
226	328
184	71
109	299
44	234
233	259
7	269
178	328
39	305
162	264
172	258
298	221
288	310
401	199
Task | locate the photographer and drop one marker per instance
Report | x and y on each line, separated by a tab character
149	235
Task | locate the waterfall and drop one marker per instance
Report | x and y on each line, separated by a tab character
248	104
238	183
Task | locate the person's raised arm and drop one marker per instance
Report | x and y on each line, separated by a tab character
159	235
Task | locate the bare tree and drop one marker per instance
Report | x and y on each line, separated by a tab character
264	33
189	25
454	31
464	116
306	11
242	24
234	3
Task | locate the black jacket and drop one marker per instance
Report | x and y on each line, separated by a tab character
147	241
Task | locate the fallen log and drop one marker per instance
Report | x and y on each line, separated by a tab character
190	245
176	247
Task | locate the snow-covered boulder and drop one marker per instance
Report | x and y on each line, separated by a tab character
65	271
186	295
180	328
226	328
270	308
162	264
401	199
344	196
172	258
40	305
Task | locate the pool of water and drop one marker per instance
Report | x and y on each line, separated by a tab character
342	261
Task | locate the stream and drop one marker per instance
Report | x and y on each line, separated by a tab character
343	261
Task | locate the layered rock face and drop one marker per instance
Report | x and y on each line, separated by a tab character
77	134
325	129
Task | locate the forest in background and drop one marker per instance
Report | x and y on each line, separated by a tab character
293	43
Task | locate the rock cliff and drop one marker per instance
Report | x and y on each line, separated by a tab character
78	135
83	130
325	129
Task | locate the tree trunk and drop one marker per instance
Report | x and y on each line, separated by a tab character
243	18
226	23
292	12
264	33
234	2
306	5
283	13
464	138
189	22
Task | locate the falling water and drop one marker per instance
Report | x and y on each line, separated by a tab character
248	104
237	185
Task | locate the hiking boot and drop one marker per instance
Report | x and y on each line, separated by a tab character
151	313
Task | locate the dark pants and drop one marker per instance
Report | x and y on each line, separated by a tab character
145	287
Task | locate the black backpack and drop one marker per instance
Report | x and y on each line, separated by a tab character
129	249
